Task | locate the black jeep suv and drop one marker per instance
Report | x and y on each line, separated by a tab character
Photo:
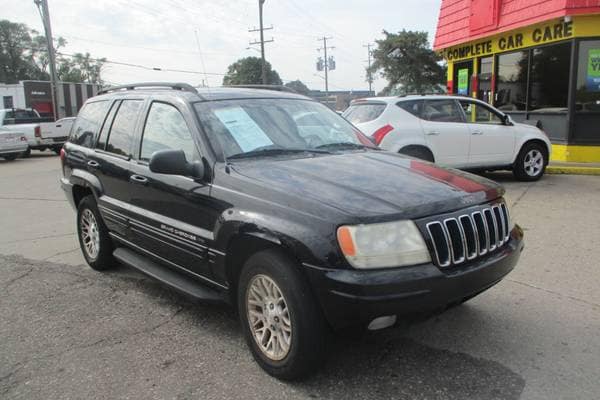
272	202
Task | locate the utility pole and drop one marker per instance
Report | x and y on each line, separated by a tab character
262	40
369	74
45	14
327	63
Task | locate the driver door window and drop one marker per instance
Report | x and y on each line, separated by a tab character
166	129
479	114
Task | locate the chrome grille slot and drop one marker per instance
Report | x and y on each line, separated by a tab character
491	228
482	232
499	218
457	242
506	221
441	244
470	235
464	237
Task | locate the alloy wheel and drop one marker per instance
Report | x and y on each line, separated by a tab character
269	317
533	162
90	234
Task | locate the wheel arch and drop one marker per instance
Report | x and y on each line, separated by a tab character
242	246
530	141
417	146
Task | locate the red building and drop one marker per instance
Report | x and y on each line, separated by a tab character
535	60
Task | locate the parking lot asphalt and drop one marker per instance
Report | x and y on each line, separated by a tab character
67	331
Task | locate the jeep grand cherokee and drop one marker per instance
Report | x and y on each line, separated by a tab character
272	202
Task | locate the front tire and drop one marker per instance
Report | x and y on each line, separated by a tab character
531	162
95	243
282	322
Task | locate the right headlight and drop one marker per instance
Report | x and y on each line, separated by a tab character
383	245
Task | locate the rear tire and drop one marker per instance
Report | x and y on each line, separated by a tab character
417	152
95	243
531	162
276	306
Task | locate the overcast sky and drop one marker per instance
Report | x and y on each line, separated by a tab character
162	34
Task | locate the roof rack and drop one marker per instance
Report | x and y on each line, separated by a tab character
277	88
169	85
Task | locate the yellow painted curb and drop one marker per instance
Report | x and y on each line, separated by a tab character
572	170
572	153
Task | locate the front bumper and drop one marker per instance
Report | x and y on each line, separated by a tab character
353	297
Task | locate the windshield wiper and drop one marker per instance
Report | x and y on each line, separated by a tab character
274	152
343	146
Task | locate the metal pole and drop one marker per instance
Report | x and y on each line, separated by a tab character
326	69
369	75
51	55
262	42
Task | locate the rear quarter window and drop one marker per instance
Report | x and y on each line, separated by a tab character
360	113
88	122
413	107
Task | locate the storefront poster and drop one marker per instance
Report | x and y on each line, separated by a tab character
593	71
463	82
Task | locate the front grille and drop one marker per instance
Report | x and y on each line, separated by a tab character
466	236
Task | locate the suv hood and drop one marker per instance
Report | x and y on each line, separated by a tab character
369	186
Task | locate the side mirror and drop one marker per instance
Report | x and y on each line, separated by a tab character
173	162
507	120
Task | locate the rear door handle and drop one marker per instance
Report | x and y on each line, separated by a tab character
433	133
140	180
93	164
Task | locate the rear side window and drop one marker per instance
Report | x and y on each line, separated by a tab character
122	129
88	123
165	130
442	111
360	113
413	106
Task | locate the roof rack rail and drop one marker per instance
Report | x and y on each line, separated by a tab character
186	87
277	88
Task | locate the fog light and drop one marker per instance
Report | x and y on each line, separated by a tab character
382	322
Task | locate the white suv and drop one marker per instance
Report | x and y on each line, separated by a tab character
453	131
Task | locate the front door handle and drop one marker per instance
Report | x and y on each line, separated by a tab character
93	164
140	180
477	133
433	133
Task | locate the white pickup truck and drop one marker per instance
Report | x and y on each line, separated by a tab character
40	133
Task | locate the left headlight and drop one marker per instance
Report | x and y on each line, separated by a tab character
384	245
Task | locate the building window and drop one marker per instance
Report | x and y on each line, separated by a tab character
549	78
8	101
462	78
511	92
587	98
484	91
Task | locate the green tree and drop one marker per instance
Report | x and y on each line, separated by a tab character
80	68
17	52
24	55
408	63
247	71
298	86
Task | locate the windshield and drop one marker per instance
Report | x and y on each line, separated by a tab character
253	127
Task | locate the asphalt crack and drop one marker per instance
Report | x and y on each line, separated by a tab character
529	285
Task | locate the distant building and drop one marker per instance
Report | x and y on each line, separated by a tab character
339	100
535	60
37	95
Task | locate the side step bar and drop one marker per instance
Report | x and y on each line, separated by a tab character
184	284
